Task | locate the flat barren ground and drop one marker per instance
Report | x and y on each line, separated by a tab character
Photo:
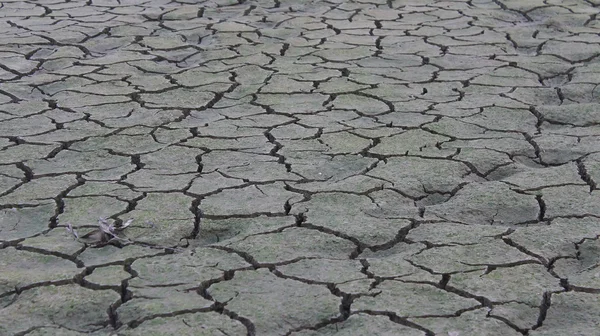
301	168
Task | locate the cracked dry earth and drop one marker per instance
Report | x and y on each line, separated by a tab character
301	167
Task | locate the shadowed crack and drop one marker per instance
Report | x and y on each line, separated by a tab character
585	176
60	204
396	319
134	324
544	306
400	237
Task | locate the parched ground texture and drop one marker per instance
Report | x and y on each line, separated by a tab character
358	167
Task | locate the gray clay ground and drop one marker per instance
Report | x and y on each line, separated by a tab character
364	167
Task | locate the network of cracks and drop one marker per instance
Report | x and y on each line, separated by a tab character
351	167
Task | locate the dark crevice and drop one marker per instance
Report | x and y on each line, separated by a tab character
70	258
396	319
250	328
26	171
542	206
359	245
544	306
509	323
134	324
400	237
198	215
583	173
60	204
523	249
539	117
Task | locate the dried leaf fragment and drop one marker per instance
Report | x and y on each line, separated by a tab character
72	231
126	224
